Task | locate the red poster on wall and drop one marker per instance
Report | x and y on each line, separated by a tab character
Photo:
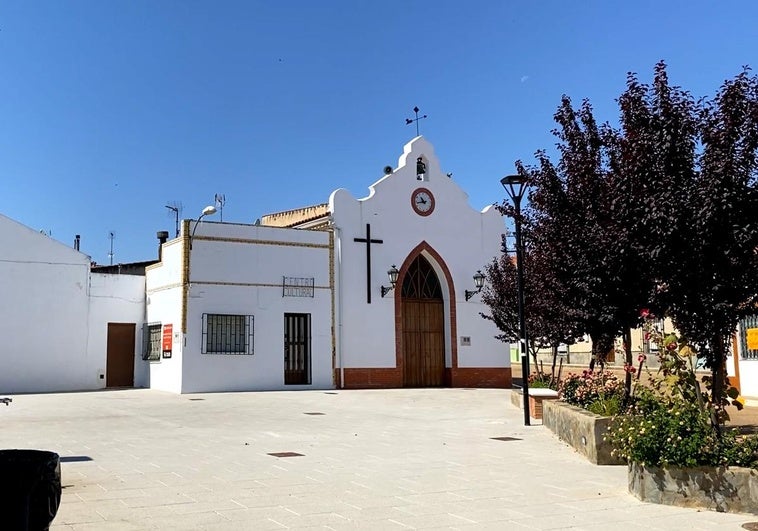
168	338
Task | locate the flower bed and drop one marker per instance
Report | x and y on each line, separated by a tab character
582	430
722	489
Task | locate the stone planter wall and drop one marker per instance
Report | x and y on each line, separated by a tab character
581	429
732	489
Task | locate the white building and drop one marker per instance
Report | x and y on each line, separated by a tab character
299	300
218	303
302	299
65	328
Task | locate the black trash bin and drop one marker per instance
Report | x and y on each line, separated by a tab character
30	489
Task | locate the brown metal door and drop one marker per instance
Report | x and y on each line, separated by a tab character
297	348
423	327
119	370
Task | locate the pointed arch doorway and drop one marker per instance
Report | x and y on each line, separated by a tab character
423	320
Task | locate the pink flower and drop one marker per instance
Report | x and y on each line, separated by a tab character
644	312
641	358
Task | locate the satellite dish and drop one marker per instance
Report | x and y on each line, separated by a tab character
387	170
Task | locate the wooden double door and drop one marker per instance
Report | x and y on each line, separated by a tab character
423	318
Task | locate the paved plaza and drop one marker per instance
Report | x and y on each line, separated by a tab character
384	460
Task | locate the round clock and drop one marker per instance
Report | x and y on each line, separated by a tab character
422	201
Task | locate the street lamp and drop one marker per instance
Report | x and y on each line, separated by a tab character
207	211
515	186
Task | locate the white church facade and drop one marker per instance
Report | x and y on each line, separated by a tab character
303	300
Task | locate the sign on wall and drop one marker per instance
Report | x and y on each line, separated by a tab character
167	340
752	338
297	287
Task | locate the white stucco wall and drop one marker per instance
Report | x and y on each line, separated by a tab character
465	238
164	305
44	315
237	269
749	381
114	299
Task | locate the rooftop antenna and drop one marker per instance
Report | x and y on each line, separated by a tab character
111	237
176	208
409	121
220	199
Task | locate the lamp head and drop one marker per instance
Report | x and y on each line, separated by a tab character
209	210
392	273
514	185
479	279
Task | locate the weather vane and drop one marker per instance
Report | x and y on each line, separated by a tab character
409	121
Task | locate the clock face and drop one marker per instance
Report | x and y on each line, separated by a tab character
422	201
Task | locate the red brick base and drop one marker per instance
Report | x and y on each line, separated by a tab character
373	378
499	377
385	378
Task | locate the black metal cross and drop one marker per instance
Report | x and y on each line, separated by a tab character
409	121
368	241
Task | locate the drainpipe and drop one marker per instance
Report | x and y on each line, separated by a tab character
338	301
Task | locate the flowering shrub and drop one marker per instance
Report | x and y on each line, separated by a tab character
672	421
542	380
601	393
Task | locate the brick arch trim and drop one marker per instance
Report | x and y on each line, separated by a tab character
428	249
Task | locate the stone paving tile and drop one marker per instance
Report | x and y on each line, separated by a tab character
259	525
390	459
429	521
274	513
372	525
487	514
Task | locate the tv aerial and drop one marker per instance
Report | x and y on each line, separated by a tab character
176	208
220	200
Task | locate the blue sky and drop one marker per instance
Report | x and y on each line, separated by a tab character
110	110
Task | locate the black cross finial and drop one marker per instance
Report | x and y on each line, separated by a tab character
409	121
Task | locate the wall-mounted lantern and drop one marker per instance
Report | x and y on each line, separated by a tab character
478	282
392	273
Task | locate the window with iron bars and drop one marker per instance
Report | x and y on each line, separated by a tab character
227	334
651	347
750	321
151	335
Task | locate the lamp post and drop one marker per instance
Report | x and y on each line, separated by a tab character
515	185
207	211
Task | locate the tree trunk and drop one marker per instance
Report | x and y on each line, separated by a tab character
533	349
602	344
629	362
718	372
555	359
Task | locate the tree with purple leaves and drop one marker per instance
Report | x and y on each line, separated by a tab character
659	213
